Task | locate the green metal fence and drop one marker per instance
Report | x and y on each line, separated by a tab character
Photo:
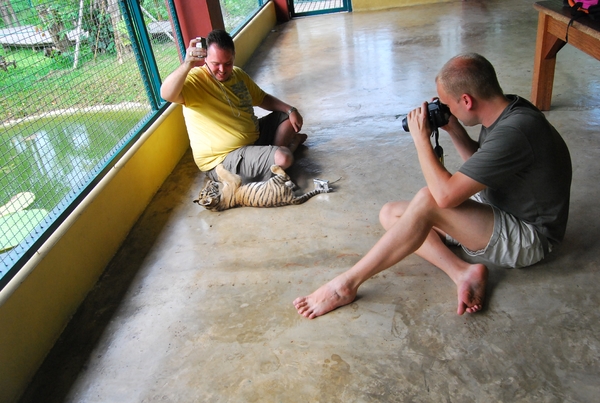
79	81
303	8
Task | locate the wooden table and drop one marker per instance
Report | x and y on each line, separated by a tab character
553	19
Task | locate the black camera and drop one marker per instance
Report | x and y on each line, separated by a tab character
439	115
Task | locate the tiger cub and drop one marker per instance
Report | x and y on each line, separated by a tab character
229	192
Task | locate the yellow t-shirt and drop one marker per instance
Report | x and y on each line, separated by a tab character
219	116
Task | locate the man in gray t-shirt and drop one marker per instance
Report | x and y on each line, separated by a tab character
526	167
507	205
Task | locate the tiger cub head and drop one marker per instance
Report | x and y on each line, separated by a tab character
210	195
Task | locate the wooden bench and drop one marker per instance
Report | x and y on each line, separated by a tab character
553	20
4	63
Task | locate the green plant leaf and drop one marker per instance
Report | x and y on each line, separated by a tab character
15	227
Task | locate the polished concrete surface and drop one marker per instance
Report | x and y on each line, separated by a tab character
197	306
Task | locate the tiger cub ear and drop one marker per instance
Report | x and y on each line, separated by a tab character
201	200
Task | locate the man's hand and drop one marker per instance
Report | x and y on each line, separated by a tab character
171	88
194	55
418	125
296	120
453	126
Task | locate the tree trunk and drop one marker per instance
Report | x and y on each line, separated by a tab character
8	14
158	14
116	19
52	20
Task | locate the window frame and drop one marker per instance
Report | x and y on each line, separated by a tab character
16	258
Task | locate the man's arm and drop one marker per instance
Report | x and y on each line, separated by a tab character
171	88
448	190
272	103
463	143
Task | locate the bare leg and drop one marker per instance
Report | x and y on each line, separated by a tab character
406	235
288	141
286	136
284	157
470	279
403	238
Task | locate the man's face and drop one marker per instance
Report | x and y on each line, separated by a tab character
220	62
457	106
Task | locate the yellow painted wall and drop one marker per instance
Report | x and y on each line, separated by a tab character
370	5
35	312
34	315
252	35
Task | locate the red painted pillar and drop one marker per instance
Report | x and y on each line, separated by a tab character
198	18
282	10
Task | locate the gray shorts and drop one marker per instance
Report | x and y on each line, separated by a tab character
253	163
514	243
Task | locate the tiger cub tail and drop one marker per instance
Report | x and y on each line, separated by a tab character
308	195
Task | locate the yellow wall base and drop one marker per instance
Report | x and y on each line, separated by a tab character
371	5
252	35
37	310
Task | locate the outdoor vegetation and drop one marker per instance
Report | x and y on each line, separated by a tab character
71	95
44	72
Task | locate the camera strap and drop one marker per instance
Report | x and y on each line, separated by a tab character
439	151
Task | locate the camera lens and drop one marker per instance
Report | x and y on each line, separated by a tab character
438	115
405	124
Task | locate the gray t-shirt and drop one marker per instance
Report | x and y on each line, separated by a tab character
526	166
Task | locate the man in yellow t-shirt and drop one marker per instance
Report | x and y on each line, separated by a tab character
218	101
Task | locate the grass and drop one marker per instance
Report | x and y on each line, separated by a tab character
59	124
42	84
53	155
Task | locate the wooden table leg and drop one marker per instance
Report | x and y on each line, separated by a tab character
546	48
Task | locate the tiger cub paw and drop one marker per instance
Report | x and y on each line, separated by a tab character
277	170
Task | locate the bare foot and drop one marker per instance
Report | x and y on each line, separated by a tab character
300	138
328	297
471	289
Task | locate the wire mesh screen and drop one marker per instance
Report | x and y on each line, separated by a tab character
71	97
237	12
310	6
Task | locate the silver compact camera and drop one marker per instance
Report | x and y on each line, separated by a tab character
321	184
201	42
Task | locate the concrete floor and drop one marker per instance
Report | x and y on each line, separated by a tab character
197	306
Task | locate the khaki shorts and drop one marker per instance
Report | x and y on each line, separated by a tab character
514	243
253	163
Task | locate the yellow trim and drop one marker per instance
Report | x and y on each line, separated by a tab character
61	274
372	5
252	35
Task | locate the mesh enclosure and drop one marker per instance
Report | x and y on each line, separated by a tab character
305	6
72	97
237	12
313	7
